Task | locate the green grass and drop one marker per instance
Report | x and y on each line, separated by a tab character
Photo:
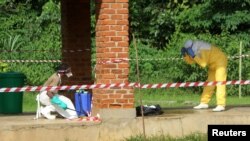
29	101
191	137
167	98
173	98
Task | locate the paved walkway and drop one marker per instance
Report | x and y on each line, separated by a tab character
175	122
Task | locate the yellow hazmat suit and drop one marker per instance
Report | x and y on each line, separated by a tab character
207	55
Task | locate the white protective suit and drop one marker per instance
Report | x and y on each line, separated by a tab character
46	107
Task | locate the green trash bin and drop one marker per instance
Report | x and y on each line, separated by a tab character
11	102
1	102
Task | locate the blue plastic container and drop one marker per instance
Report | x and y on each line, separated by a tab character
83	103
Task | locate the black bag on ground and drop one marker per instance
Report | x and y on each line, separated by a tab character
149	110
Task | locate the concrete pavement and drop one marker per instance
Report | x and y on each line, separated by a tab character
175	122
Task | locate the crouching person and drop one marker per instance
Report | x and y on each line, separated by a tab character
51	101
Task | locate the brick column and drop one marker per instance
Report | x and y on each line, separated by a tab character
76	41
112	42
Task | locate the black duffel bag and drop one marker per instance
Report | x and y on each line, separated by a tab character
149	110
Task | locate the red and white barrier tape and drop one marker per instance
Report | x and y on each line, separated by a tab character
108	61
113	61
123	85
91	118
31	61
154	59
239	56
81	50
70	50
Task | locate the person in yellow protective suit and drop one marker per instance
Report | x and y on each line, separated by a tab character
208	55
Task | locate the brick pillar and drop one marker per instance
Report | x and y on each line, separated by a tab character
76	35
112	42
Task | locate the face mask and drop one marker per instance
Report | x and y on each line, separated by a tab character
69	74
